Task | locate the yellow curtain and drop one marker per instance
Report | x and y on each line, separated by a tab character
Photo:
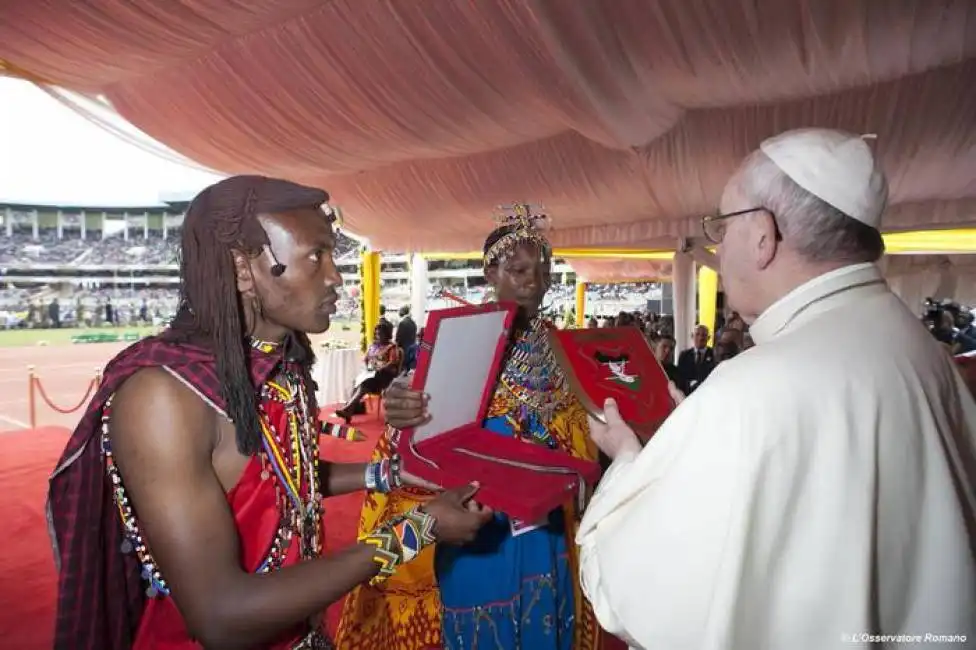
960	240
707	297
573	253
580	304
957	240
370	292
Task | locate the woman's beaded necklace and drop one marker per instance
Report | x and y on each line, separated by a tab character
533	379
290	458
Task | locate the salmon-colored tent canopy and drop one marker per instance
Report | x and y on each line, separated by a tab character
623	118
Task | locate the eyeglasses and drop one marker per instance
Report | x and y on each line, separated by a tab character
713	225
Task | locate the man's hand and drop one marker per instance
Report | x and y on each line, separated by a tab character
458	516
404	408
614	437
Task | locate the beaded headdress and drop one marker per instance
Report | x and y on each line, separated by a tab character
526	227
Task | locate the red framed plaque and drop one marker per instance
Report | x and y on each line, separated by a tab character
458	366
615	362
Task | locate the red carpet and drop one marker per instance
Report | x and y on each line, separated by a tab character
28	589
26	563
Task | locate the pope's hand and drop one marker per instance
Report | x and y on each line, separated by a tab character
615	437
404	408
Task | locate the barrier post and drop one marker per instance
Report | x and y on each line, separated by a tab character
31	405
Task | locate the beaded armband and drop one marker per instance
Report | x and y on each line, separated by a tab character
341	431
399	541
384	476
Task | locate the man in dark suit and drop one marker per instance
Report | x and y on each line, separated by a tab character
695	363
406	331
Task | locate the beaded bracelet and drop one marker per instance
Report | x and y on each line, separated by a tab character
341	431
383	476
399	541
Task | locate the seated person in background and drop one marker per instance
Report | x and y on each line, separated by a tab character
730	335
725	351
382	366
624	319
735	322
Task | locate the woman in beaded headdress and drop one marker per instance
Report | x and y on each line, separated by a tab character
516	586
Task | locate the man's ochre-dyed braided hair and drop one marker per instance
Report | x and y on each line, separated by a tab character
221	219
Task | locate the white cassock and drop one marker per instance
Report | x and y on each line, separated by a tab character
817	488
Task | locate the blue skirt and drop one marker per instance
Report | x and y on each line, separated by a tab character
508	593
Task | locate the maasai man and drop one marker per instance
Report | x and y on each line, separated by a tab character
186	508
818	490
515	586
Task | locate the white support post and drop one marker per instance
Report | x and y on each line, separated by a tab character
418	288
683	298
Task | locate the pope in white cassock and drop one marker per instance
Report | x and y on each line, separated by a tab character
817	491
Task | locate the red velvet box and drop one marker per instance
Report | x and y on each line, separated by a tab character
458	366
615	362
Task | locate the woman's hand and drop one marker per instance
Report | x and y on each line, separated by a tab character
615	437
458	516
404	408
675	393
409	480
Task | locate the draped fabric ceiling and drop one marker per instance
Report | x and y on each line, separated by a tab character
624	118
916	277
600	271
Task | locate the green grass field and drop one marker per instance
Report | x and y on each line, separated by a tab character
20	338
346	331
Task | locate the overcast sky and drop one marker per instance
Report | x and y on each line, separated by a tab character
51	155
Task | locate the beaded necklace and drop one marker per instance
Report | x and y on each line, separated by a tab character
533	379
291	460
289	457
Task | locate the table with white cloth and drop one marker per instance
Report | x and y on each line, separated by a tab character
335	372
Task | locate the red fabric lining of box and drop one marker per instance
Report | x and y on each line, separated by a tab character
527	493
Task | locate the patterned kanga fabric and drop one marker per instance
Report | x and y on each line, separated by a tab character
404	613
100	592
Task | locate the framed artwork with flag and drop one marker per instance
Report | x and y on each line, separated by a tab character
458	366
615	362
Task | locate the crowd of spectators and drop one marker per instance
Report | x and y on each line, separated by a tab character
89	305
22	249
46	307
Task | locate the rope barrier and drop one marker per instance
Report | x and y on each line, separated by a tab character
34	383
443	293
